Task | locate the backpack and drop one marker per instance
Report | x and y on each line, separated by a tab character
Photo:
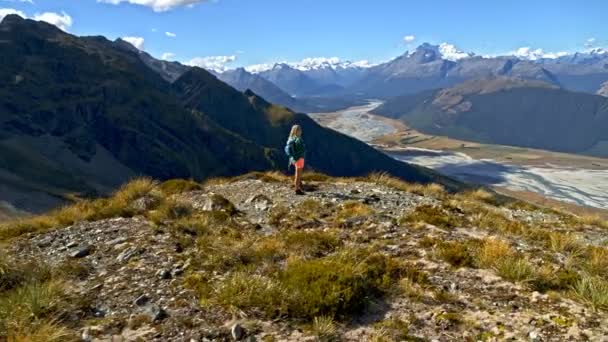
294	149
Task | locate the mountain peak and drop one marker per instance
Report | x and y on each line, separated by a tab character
11	19
427	52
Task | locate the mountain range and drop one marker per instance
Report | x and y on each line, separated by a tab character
509	111
432	67
80	115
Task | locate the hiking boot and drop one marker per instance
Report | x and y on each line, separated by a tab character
299	192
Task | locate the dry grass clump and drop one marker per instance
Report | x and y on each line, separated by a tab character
119	204
306	211
596	261
493	220
433	190
516	269
434	215
324	328
480	195
593	220
178	186
30	302
564	243
392	329
492	251
457	253
352	209
592	290
170	210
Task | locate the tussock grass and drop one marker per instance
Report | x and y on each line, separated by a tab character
492	251
178	186
411	289
593	220
118	205
596	261
392	329
457	253
592	290
170	210
250	292
564	243
480	195
352	209
434	215
433	190
14	274
335	286
516	269
324	328
307	210
27	312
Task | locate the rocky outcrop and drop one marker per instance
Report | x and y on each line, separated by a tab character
139	272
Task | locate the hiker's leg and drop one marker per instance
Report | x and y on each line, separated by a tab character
298	178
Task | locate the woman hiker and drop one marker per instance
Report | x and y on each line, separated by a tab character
296	151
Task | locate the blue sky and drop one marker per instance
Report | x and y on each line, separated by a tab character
262	31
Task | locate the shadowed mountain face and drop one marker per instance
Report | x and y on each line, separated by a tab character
82	115
509	112
242	80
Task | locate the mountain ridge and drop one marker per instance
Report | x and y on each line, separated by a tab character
509	111
110	117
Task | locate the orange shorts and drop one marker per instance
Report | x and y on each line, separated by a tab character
299	164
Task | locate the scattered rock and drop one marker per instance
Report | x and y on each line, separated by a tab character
127	254
155	312
145	203
237	332
142	300
260	202
164	274
82	252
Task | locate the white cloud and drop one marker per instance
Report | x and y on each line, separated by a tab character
156	5
24	1
138	42
63	20
167	56
170	34
590	42
452	53
409	38
257	68
6	11
528	53
215	63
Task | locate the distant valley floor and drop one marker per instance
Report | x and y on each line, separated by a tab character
532	174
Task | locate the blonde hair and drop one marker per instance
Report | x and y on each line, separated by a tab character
296	131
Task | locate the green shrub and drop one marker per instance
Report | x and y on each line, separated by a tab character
337	285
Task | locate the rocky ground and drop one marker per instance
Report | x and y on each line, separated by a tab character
139	277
